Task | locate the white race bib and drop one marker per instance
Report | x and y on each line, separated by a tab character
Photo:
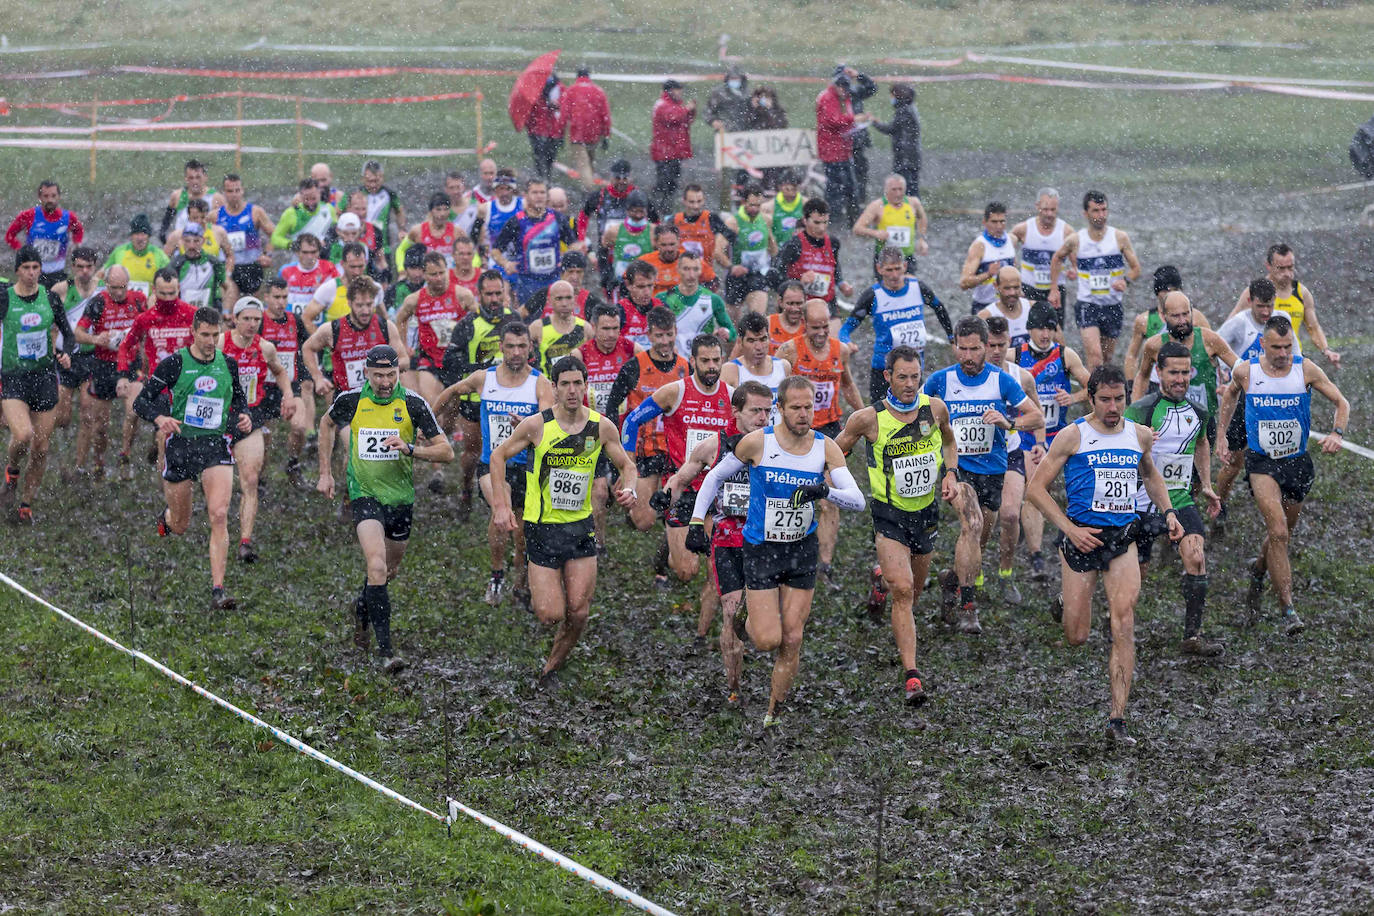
499	428
909	334
734	498
819	286
915	474
198	298
204	412
783	523
1051	411
1177	470
1198	393
695	437
1099	284
297	302
825	395
443	329
597	395
237	241
1280	438
757	261
899	236
1114	490
972	436
370	447
694	247
288	362
353	373
248	381
567	489
136	286
31	344
48	249
1042	277
543	260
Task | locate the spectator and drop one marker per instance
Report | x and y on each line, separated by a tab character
835	121
671	142
767	113
860	88
544	124
727	108
905	131
588	116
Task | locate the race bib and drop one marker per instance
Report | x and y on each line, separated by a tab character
825	395
819	286
198	298
370	447
543	260
782	523
909	334
48	249
1099	284
597	395
1051	411
899	236
1114	490
695	437
288	362
915	474
1177	470
499	428
203	412
694	247
136	286
297	302
972	436
237	241
789	223
734	499
353	373
31	344
756	261
443	329
567	489
1280	438
1042	277
1198	393
248	381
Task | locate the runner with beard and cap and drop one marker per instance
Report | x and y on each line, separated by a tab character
1149	323
610	206
309	213
1182	426
987	254
1242	333
1277	387
812	256
1104	458
388	428
702	232
908	436
1206	346
1105	262
625	238
788	323
175	217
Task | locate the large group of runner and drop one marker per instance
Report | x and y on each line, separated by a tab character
696	376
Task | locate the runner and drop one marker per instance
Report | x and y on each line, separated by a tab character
908	435
106	320
813	257
214	240
703	233
484	190
1242	333
309	213
1293	299
895	221
751	255
604	356
136	256
467	265
330	300
1106	264
784	209
981	398
177	215
350	228
194	398
436	232
751	403
475	344
527	248
1277	386
349	339
637	303
201	277
509	392
247	225
1207	348
664	257
788	465
897	303
388	428
74	294
48	228
1009	305
821	359
1055	367
987	254
1181	426
693	409
255	358
562	332
1149	323
503	204
29	317
384	209
1104	457
436	308
567	441
754	362
697	310
306	274
162	330
286	330
626	238
789	321
612	205
1037	240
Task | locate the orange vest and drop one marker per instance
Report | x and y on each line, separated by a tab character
652	440
825	374
779	335
666	276
696	235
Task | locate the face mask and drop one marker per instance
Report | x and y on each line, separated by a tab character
734	85
765	102
554	94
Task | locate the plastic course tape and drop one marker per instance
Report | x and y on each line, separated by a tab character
454	806
197	146
160	125
1348	446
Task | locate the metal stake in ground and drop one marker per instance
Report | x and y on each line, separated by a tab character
129	572
448	788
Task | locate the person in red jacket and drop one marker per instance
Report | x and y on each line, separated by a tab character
835	124
588	116
671	142
544	124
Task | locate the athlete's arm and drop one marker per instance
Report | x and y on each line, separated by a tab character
729	373
922	225
625	381
728	466
1140	383
698	461
862	308
1240	377
843	490
526	433
149	402
1132	262
933	303
398	344
1131	361
1061	257
949	451
969	277
1154	483
238	401
787	255
1202	463
862	424
310	354
1018	232
340	413
1217	348
664	400
319	302
722	317
629	476
263	221
281	235
867	222
407	309
1037	492
434	447
464	386
849	389
62	325
509	235
1314	327
128	347
1316	378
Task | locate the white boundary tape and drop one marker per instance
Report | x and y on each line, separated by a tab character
210	147
1348	446
158	125
454	806
1172	74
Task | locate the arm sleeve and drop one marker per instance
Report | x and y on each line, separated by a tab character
343	408
728	466
835	246
934	386
148	404
647	410
856	317
844	492
787	254
510	233
935	305
63	324
21	224
75	229
718	225
426	426
128	347
167	216
281	236
625	380
722	316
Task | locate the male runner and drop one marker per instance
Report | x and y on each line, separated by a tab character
634	306
788	465
1149	323
754	362
751	255
987	254
255	358
664	257
1009	305
789	321
436	308
1104	458
703	233
528	245
436	232
306	273
562	332
981	398
813	257
310	214
1243	333
214	240
784	209
485	189
162	330
200	277
897	304
697	309
106	319
137	256
193	398
286	330
29	317
195	187
567	440
625	239
1181	427
1277	386
384	209
247	225
509	392
1106	264
1037	239
604	356
388	428
330	300
895	221
1291	298
908	435
1206	346
74	294
349	339
49	228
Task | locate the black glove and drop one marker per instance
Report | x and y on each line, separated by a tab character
605	144
809	493
661	500
697	539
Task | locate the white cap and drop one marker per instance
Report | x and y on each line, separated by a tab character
349	222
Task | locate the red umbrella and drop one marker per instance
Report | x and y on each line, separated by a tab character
529	87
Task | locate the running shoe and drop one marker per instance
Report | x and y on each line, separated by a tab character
771	721
968	621
162	529
221	601
546	681
1255	592
1038	573
294	475
495	588
877	596
1010	593
1116	733
1199	647
521	596
436	483
915	692
1219	525
741	619
25	514
394	663
247	552
1292	623
11	477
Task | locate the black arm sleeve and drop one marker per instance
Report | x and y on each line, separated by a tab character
456	355
510	234
591	204
835	247
64	325
148	404
933	302
787	256
864	307
167	216
343	408
624	383
718	225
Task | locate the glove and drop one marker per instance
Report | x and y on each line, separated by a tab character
809	493
605	144
661	500
697	540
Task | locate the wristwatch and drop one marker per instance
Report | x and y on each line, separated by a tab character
411	446
1339	430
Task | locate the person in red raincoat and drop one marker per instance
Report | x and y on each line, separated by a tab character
544	125
671	142
587	114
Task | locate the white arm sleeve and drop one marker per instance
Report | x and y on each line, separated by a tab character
844	492
728	466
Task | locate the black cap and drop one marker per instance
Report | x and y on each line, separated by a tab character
575	259
620	168
671	84
141	223
1167	277
383	356
584	70
636	198
1042	315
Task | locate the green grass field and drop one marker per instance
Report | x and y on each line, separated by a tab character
1251	787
